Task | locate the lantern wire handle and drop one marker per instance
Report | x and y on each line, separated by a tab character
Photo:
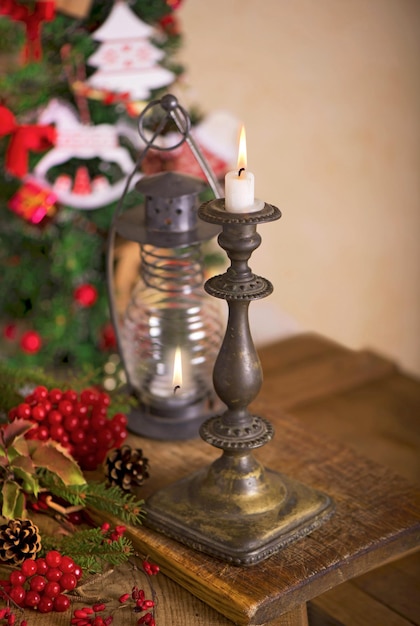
180	117
178	114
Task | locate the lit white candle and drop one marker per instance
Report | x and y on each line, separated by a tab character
177	376
174	381
239	184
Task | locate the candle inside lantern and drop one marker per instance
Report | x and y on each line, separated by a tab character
174	382
239	184
177	375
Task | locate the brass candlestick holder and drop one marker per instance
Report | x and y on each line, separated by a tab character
235	509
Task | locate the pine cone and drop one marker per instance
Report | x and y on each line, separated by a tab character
126	467
19	540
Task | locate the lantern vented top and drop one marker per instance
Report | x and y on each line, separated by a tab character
170	185
169	215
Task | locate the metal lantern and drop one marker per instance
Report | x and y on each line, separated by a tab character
170	332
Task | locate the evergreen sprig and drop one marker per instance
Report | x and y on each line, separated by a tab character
14	384
13	381
90	549
97	495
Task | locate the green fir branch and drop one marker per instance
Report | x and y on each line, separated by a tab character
90	549
115	501
12	382
97	495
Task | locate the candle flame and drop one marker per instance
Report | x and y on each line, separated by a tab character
177	376
242	149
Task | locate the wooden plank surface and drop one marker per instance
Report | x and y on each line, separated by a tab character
394	588
352	606
379	420
377	517
374	411
329	372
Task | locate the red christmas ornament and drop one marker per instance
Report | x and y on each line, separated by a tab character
85	295
33	202
169	22
170	25
31	342
108	339
9	331
174	4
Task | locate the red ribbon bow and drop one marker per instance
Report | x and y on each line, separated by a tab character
24	138
44	11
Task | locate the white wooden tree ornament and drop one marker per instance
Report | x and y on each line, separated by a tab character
127	60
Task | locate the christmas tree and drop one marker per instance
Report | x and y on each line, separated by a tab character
68	144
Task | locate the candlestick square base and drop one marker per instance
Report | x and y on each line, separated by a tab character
208	522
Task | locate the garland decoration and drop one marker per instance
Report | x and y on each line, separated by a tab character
48	541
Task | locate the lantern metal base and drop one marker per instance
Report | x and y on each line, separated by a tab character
241	518
172	425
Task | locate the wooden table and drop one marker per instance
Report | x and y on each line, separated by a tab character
337	414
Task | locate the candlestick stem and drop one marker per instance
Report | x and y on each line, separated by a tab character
235	509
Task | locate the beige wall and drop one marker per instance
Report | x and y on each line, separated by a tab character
329	91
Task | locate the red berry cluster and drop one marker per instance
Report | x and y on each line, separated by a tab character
41	583
78	421
141	604
89	616
9	618
151	569
112	534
